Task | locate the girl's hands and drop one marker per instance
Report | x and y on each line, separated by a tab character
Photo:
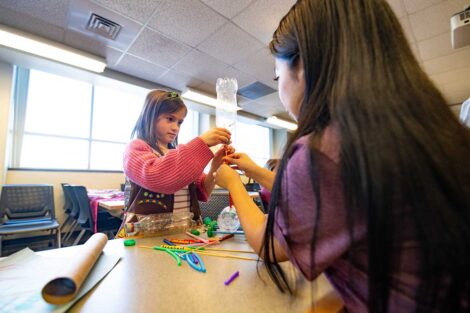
215	136
225	175
243	162
219	155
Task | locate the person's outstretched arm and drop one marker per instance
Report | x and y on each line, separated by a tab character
261	175
206	183
252	219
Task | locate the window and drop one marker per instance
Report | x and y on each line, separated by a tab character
62	123
254	140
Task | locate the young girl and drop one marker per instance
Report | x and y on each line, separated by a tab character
165	181
374	186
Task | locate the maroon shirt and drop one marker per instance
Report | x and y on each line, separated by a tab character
294	231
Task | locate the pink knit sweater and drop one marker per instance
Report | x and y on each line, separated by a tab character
171	172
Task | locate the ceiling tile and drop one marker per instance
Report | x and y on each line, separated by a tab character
259	64
242	100
228	8
178	81
81	42
189	21
158	49
208	89
415	50
272	102
456	60
112	56
255	108
456	92
52	11
436	47
139	68
435	20
454	76
34	25
243	79
405	24
230	44
262	25
80	12
413	6
139	10
202	66
397	7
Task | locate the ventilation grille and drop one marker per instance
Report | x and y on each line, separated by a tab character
255	91
103	27
464	15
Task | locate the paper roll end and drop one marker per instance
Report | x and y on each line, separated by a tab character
59	291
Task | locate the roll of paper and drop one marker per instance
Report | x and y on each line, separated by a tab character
65	287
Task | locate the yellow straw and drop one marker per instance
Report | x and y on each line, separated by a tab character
227	256
228	250
214	254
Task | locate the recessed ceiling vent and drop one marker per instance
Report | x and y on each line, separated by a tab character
255	90
103	27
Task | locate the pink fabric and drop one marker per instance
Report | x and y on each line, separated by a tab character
171	172
96	197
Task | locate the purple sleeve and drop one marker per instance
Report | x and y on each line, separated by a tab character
296	212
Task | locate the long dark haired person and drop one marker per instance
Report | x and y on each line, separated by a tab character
374	186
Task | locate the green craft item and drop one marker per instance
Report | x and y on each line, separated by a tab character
129	242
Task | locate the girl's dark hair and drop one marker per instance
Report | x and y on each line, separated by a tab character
157	102
401	146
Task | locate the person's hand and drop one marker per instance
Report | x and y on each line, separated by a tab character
215	136
243	162
225	175
219	155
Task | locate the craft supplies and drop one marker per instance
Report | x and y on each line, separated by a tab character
225	237
129	242
231	278
170	252
237	232
197	237
168	242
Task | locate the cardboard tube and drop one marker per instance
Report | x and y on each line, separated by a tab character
65	287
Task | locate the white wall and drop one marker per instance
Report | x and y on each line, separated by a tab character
6	76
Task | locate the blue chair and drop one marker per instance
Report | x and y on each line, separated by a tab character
73	211
26	209
106	223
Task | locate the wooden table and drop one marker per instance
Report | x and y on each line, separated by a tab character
146	280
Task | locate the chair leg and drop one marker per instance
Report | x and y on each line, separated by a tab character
62	226
72	229
0	246
67	233
58	238
79	237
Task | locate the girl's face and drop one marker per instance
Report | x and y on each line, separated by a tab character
291	85
167	126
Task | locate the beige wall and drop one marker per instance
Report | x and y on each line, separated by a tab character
90	180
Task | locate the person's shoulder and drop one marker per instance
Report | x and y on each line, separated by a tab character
137	144
300	145
299	155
